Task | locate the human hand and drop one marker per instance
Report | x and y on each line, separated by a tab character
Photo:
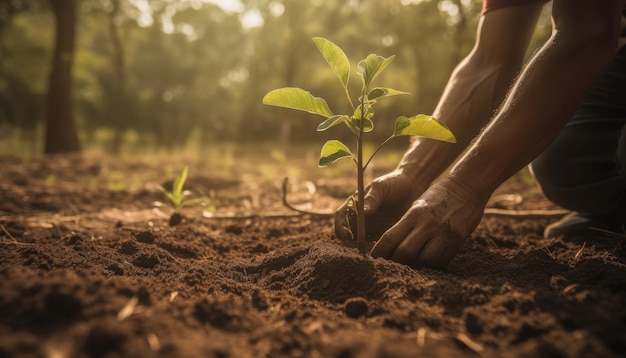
386	199
434	228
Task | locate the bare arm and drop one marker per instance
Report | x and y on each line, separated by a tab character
475	89
541	102
550	88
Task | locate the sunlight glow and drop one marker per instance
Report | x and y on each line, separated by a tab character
411	2
228	5
251	19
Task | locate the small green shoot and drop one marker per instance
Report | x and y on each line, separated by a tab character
177	196
360	120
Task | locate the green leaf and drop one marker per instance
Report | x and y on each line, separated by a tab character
369	112
332	151
368	127
176	195
356	123
372	66
331	122
336	58
359	118
382	92
179	182
297	98
423	126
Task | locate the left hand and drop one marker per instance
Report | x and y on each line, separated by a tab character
434	228
386	199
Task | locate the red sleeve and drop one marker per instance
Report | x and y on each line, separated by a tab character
490	5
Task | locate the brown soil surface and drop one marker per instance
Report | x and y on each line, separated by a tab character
88	268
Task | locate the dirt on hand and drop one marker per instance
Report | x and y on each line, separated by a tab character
89	269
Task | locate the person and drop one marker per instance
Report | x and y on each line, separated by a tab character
435	210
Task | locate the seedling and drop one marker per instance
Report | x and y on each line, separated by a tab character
360	120
177	197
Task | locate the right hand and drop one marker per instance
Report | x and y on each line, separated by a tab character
387	197
435	227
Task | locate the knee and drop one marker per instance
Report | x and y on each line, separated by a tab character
563	181
579	184
550	171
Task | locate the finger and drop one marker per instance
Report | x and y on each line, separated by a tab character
432	255
342	222
411	248
393	237
437	252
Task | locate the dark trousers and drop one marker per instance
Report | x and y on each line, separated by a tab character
584	169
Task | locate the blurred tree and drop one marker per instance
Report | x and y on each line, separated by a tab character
428	34
213	69
118	105
61	135
166	72
21	78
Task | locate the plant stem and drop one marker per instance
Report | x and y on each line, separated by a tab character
360	202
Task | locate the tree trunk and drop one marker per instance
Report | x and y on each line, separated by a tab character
118	119
61	135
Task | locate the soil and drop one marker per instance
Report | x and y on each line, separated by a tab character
89	267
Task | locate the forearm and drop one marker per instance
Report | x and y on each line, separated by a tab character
469	100
475	89
540	104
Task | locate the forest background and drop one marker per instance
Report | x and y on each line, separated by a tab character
119	75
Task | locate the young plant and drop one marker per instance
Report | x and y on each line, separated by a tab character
360	120
177	197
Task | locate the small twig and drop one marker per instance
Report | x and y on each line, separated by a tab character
128	309
469	343
256	216
12	239
8	233
578	255
526	214
303	211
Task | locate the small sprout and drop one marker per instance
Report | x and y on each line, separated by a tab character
177	197
360	120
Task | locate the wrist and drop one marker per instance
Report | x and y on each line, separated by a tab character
462	188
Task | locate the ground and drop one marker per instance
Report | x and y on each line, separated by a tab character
90	267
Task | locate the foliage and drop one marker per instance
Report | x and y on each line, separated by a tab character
196	71
360	120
